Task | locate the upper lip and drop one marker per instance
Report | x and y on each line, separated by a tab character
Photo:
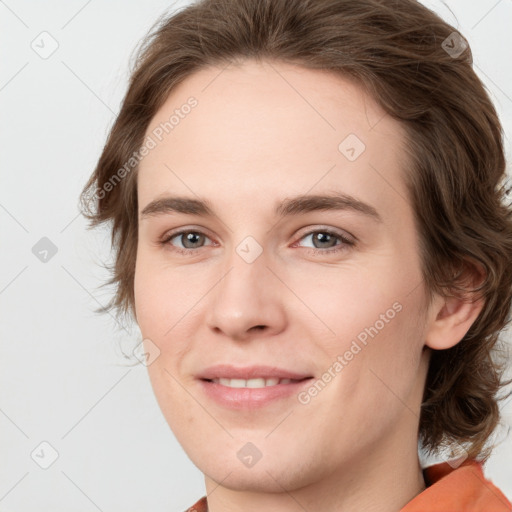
227	371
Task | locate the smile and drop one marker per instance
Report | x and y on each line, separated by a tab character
250	383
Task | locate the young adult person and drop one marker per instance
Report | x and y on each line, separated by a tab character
311	232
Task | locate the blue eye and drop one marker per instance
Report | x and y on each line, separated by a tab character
327	236
194	237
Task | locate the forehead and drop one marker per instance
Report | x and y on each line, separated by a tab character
271	128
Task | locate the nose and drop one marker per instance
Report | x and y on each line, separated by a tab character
248	300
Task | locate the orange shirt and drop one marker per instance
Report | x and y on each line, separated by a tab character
463	489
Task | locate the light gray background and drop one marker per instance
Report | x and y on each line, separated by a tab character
62	377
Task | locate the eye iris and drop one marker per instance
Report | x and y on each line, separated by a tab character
194	238
189	238
323	237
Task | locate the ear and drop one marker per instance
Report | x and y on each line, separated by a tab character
452	317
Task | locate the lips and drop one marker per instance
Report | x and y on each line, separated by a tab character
252	387
251	383
225	371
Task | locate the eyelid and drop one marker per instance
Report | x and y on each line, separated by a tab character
347	239
169	235
308	230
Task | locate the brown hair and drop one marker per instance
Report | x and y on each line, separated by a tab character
403	55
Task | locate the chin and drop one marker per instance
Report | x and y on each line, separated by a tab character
248	480
271	475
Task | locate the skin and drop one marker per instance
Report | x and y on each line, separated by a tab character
261	132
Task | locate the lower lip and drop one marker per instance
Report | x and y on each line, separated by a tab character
250	398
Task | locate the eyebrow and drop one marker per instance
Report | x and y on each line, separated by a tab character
298	205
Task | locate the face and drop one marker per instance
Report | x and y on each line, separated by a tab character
250	281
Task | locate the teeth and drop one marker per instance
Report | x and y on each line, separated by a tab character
250	383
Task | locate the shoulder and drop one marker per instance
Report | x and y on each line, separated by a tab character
199	506
454	489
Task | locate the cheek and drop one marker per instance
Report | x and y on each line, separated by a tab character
161	315
376	336
383	368
362	302
165	299
162	296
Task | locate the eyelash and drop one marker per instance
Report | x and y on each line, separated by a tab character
345	244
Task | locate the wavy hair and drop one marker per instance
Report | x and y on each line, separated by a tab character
419	69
